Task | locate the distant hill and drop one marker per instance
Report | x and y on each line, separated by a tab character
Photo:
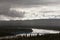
38	23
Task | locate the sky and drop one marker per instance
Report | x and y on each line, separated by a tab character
29	9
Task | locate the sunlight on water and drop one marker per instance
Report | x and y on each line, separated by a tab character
40	31
43	31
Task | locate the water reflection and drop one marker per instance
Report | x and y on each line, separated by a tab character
40	31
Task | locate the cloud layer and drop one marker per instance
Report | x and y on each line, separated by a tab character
39	12
29	9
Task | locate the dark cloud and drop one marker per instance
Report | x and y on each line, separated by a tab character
12	14
31	2
4	10
28	2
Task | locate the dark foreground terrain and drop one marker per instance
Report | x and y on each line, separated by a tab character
42	37
9	32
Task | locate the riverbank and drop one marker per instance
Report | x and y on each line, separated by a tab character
10	32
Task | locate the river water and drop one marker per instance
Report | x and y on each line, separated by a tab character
40	31
34	33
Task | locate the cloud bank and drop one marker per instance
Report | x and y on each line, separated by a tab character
29	9
40	12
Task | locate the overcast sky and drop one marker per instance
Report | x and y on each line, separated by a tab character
29	9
